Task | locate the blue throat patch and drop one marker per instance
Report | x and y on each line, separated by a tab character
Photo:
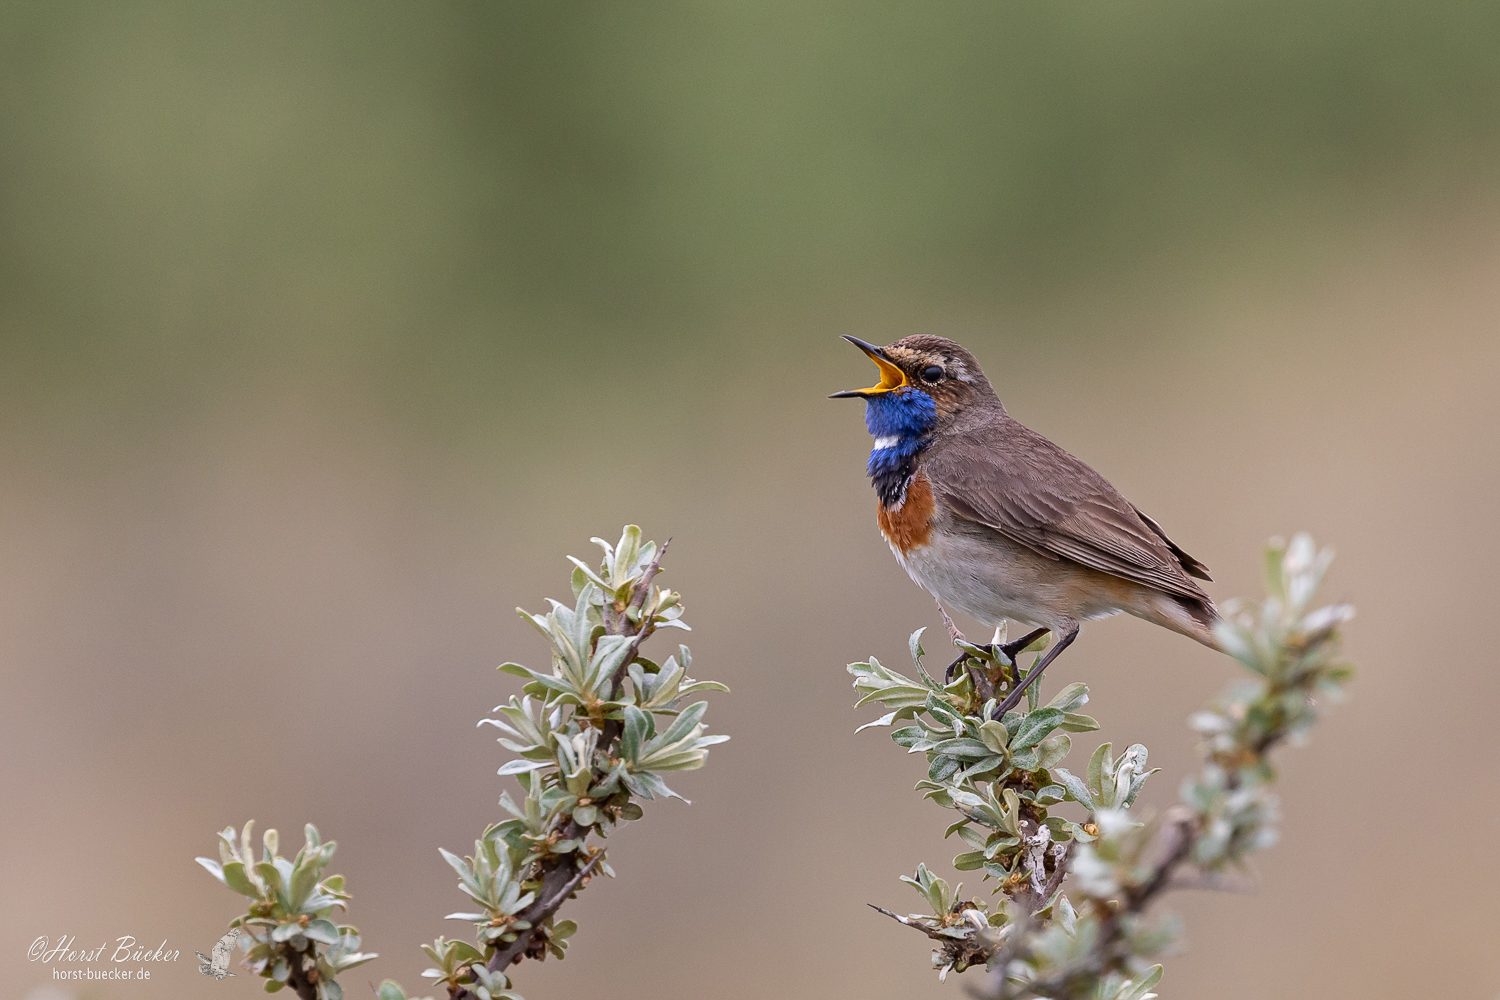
905	415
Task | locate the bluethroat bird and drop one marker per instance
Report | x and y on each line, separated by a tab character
995	520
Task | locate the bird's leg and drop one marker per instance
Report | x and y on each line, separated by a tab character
1014	649
956	636
953	632
1064	640
953	667
1010	649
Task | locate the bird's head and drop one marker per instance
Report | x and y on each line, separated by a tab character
925	383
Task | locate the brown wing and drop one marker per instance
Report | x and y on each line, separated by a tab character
1190	565
1020	484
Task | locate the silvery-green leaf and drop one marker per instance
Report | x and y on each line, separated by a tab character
270	874
994	735
282	883
964	747
227	850
609	653
236	879
521	766
1050	795
247	854
914	644
1052	750
588	575
1140	987
968	834
459	865
914	738
983	766
626	553
886	686
943	713
1073	696
684	723
937	895
1065	915
1074	723
1098	763
304	879
685	760
942	768
1026	760
1034	727
1077	790
322	931
690	686
1012	811
633	736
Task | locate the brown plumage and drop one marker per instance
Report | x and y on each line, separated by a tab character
995	520
909	526
1005	476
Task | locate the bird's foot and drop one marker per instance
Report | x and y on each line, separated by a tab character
1016	648
958	640
1065	639
1011	650
988	649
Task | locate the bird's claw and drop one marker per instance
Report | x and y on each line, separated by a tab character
953	667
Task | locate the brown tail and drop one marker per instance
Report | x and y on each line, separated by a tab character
1185	616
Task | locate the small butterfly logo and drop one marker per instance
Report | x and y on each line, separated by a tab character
218	965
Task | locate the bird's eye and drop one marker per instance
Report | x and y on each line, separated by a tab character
932	373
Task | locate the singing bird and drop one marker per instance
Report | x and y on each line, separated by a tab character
996	521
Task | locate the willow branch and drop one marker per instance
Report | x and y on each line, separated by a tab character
298	981
559	880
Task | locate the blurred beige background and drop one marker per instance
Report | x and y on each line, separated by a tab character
325	333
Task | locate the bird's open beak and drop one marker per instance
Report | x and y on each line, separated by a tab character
891	377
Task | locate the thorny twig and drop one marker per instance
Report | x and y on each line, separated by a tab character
1094	941
1170	848
557	882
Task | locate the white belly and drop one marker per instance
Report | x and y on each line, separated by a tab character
991	579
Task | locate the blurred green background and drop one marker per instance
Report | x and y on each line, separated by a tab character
326	330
